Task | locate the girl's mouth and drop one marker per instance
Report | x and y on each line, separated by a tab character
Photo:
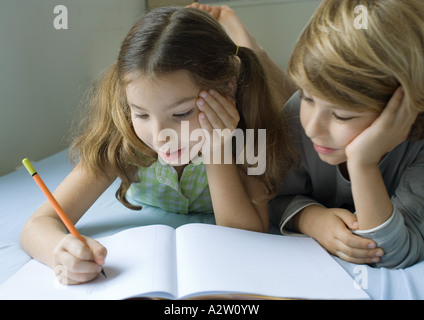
169	156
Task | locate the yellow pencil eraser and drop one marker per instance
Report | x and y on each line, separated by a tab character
29	166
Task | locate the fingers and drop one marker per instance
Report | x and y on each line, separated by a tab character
99	252
75	263
349	219
335	235
355	259
219	117
396	100
220	112
355	249
73	271
405	116
397	113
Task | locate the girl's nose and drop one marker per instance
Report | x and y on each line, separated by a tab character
164	134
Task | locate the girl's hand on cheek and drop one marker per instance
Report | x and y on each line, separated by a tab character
219	117
390	129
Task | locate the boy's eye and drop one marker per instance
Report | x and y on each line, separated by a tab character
342	119
184	115
305	98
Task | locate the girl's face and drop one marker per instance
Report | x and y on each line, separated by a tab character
164	113
330	128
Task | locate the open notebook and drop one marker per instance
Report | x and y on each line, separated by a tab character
197	260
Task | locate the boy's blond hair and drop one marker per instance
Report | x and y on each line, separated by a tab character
360	67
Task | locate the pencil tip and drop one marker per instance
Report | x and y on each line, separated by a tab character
103	273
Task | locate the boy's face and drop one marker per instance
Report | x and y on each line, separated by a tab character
164	112
331	128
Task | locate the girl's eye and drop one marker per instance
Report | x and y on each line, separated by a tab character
184	115
141	116
342	119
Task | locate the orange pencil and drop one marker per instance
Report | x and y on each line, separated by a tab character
65	219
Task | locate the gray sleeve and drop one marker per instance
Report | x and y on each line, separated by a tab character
294	195
294	191
284	208
402	238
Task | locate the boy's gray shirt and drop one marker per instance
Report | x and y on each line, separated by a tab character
316	182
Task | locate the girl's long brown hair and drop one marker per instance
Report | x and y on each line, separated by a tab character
163	41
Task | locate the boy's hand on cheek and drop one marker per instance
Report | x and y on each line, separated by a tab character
390	129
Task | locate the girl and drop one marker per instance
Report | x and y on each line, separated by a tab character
177	69
358	123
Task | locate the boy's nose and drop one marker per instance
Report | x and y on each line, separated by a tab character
315	127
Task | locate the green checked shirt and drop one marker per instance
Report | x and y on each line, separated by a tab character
159	187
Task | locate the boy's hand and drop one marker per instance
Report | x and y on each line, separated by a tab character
332	229
74	263
390	129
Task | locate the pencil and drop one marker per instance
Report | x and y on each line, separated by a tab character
62	215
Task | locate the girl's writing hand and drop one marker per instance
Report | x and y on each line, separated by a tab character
74	263
331	228
219	117
390	129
